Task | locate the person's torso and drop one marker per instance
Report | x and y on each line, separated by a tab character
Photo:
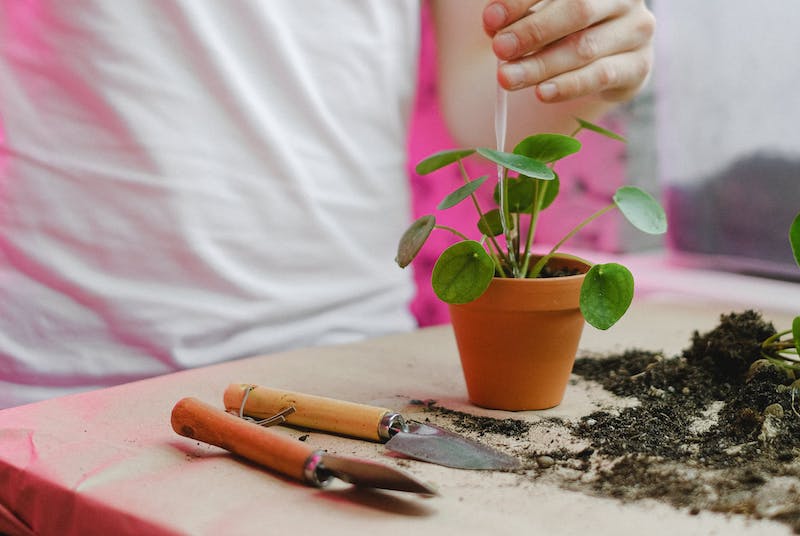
189	181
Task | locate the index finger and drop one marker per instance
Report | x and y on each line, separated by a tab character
550	22
500	13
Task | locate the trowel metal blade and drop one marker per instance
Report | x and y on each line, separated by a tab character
370	474
432	444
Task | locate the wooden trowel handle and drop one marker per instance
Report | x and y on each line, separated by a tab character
197	420
314	412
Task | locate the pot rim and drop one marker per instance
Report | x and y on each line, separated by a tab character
572	260
538	293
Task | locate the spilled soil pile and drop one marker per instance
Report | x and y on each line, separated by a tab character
715	428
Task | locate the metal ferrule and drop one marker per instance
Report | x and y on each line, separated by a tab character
314	470
390	424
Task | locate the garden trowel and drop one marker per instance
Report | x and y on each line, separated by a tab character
197	420
416	440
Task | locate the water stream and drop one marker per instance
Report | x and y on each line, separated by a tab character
500	127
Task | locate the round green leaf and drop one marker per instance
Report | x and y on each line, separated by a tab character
641	209
462	273
441	159
794	240
491	224
413	239
796	333
548	148
520	194
461	193
519	163
521	191
551	192
606	294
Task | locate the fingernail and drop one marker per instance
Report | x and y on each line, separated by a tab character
494	16
514	74
505	45
547	91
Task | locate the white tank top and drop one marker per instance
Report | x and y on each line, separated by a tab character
188	181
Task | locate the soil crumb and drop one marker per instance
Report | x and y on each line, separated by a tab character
475	424
715	428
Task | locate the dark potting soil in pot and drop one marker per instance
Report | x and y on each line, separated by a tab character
705	430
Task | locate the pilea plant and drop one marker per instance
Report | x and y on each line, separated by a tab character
527	184
783	348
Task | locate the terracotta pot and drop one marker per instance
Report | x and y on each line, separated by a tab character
518	341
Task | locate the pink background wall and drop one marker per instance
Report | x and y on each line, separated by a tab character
587	182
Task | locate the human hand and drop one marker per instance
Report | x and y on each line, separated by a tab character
572	48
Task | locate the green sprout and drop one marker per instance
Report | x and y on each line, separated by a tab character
783	348
527	187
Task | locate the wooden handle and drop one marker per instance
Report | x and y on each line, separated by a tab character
315	412
197	420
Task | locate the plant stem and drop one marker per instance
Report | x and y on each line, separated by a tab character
782	362
781	352
472	196
541	189
498	255
507	230
541	263
454	231
499	265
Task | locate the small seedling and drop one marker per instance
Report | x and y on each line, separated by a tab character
783	348
527	185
